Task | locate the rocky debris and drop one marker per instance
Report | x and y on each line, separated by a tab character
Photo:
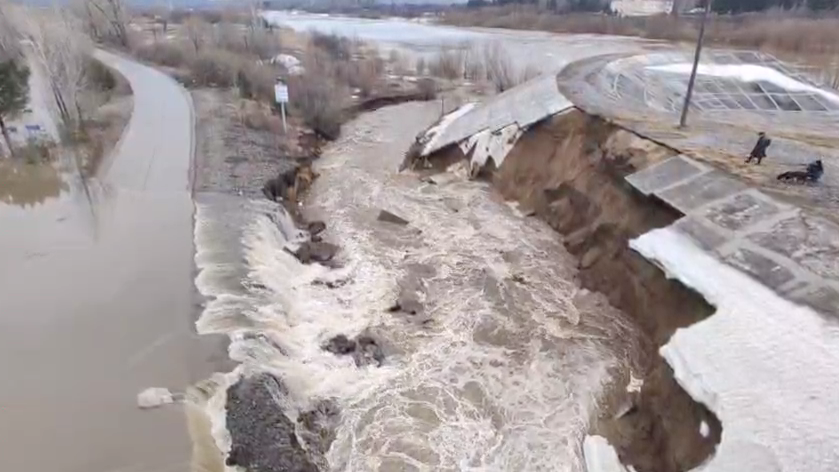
315	251
317	427
263	438
316	227
277	188
340	345
408	304
292	179
389	217
365	349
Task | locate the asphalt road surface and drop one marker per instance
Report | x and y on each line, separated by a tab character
97	302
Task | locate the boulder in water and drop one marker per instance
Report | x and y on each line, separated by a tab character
315	251
389	217
365	350
316	227
368	352
340	345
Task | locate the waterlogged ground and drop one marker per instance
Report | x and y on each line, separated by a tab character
501	371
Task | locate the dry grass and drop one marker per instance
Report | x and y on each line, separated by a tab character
227	54
804	38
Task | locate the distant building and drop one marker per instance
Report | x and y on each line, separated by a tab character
641	7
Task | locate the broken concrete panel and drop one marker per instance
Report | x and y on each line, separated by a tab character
763	269
703	235
701	190
810	241
524	105
664	174
740	211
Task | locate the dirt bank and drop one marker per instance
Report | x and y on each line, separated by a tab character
569	171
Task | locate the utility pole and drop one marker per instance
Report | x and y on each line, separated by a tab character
683	119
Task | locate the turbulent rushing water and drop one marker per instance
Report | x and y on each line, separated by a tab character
502	370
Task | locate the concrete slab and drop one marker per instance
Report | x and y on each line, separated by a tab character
524	105
740	211
703	235
702	190
811	242
762	268
665	174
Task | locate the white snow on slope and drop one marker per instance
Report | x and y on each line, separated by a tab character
749	73
768	368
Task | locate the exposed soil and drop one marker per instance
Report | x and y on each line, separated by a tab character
235	156
568	171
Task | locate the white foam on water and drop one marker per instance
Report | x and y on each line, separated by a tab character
506	375
765	366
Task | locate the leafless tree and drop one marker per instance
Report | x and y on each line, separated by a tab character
107	20
60	50
9	36
198	32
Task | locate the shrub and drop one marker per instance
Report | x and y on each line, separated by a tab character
338	47
257	81
427	88
163	53
215	68
319	103
448	64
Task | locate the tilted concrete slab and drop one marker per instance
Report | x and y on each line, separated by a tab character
779	245
704	189
743	210
665	174
523	105
762	268
703	234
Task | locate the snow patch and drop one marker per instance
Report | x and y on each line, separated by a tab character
433	134
493	145
749	73
764	365
704	430
600	456
290	63
154	397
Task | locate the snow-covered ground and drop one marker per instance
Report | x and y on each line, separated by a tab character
766	367
749	73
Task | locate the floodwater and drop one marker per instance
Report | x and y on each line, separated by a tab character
95	305
97	299
501	371
534	50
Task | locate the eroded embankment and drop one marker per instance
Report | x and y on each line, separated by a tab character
569	171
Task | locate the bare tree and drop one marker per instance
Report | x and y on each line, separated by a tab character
60	49
107	20
198	32
9	36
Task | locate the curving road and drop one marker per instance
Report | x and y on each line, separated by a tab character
97	302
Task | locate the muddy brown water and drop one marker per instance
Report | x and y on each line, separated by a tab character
504	368
94	307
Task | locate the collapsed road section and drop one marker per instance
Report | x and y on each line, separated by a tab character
734	288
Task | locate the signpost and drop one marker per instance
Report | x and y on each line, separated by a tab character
281	97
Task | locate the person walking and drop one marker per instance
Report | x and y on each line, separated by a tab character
759	151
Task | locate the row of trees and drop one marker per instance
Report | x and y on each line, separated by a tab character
719	6
57	44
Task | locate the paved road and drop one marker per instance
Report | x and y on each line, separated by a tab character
97	303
